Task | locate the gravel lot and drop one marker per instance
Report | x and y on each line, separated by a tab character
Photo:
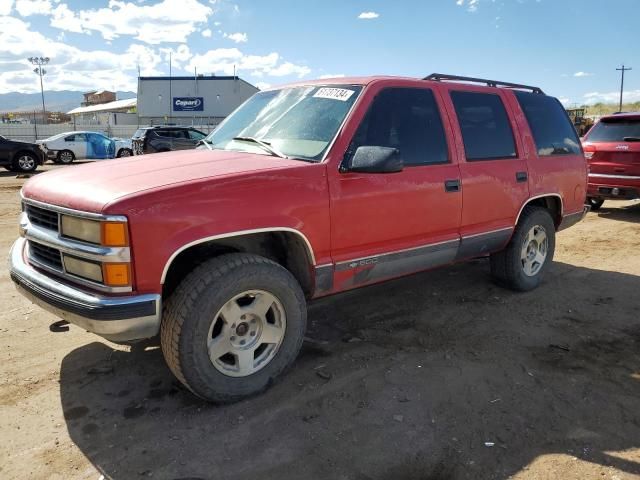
441	375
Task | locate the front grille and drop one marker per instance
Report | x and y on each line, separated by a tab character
47	256
42	217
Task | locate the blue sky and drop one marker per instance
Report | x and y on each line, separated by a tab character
570	48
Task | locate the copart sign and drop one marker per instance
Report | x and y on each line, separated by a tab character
188	104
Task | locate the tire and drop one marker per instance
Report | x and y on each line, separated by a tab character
65	157
24	162
124	152
523	262
194	319
594	203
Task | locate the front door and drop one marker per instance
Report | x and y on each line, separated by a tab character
388	225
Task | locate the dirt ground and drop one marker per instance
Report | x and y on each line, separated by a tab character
441	375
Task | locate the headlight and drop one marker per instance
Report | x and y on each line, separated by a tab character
81	229
109	234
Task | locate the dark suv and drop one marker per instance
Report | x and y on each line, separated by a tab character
164	139
19	156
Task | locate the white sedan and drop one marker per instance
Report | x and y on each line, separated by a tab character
67	147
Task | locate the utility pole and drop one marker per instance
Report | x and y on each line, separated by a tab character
622	69
39	62
170	97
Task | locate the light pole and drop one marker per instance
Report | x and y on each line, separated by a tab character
622	69
39	62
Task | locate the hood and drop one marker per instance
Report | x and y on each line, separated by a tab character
90	187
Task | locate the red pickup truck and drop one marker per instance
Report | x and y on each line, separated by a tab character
304	191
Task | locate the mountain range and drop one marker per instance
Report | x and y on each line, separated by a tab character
55	101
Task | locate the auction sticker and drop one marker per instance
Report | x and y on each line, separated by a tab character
341	94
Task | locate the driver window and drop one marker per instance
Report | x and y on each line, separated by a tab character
407	119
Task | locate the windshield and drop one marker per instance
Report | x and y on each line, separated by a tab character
614	130
300	122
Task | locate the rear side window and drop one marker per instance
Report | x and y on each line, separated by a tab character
615	130
485	126
407	119
549	123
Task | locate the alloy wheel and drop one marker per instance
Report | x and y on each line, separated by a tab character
246	333
534	250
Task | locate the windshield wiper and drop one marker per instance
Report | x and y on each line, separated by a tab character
266	146
631	139
205	142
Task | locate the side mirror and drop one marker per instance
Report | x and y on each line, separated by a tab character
370	159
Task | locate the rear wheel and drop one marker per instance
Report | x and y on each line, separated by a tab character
521	265
233	326
65	157
595	203
24	162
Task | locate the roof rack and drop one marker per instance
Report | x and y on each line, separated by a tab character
439	77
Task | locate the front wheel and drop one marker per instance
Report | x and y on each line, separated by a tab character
521	265
595	203
233	326
125	152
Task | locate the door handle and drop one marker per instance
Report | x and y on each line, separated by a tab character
521	177
452	185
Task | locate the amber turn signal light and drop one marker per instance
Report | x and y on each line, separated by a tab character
114	234
116	274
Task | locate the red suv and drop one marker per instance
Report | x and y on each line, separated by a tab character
304	191
612	149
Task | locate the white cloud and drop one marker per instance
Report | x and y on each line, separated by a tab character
368	15
611	97
262	85
224	60
179	56
166	21
27	8
564	101
70	67
237	37
337	75
471	5
206	33
5	7
583	74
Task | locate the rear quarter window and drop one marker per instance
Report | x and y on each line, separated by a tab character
551	128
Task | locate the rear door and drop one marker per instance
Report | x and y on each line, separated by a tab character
181	140
77	143
493	167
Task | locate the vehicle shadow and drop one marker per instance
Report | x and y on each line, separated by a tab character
6	173
437	376
627	213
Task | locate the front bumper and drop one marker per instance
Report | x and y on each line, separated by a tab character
119	319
